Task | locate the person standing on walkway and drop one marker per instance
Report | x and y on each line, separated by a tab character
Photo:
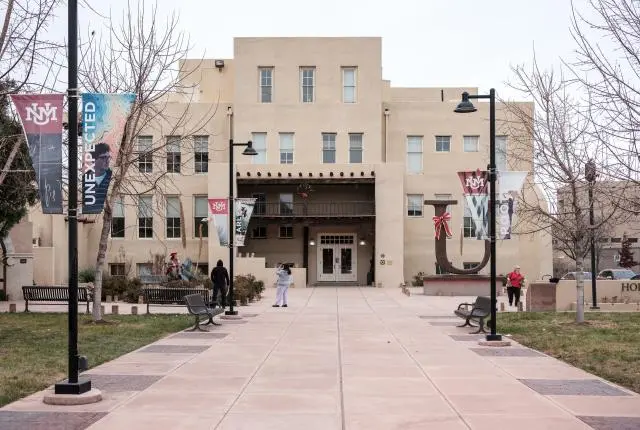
220	279
283	282
514	285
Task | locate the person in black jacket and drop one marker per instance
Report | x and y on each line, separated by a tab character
220	279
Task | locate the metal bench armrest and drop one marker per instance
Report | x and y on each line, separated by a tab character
466	305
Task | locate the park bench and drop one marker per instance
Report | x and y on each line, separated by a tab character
170	296
477	311
48	293
198	308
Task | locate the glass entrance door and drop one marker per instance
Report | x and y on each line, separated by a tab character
337	258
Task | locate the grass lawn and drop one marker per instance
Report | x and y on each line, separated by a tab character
33	347
607	345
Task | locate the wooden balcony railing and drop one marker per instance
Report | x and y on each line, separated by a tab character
314	209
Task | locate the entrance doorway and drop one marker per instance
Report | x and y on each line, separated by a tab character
337	258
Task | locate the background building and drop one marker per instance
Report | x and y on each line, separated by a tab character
323	120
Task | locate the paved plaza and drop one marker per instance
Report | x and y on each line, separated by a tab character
337	358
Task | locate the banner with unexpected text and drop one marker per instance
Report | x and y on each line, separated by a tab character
103	121
41	118
219	209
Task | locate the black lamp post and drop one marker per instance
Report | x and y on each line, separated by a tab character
232	216
72	385
465	106
590	175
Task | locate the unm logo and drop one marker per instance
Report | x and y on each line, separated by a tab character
474	183
42	115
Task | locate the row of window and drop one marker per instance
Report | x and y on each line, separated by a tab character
287	148
415	150
174	154
415	209
266	81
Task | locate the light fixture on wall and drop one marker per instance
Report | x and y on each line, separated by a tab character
312	242
362	242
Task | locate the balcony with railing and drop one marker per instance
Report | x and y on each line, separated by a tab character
284	210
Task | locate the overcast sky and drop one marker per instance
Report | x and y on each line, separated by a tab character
425	42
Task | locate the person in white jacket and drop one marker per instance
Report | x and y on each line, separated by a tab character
284	280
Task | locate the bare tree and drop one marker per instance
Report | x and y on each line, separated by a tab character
560	137
140	55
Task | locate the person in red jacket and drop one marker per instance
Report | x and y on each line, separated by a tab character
514	285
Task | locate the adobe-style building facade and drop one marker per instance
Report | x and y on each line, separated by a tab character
322	118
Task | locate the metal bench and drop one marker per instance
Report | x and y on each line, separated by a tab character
170	296
48	293
479	311
198	308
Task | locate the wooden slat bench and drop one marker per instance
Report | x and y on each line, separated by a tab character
479	311
51	294
171	296
197	307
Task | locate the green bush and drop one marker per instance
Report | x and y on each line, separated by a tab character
202	283
418	279
126	289
87	275
247	289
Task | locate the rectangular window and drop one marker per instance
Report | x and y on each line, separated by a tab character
501	153
307	84
355	148
414	154
286	204
200	213
145	154
443	143
286	148
286	232
349	84
328	148
414	205
173	154
201	154
145	217
470	265
266	84
144	269
117	221
117	269
173	217
260	207
259	141
469	227
470	143
259	232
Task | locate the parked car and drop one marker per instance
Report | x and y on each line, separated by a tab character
616	274
572	275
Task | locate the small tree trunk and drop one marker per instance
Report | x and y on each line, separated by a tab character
102	252
580	291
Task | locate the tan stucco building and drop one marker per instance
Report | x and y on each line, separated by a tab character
320	115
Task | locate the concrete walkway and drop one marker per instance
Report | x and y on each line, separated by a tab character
352	358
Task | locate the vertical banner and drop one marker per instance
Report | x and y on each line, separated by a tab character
510	184
475	185
41	118
243	211
219	209
103	121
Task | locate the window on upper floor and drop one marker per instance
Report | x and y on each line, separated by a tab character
307	84
172	217
173	154
414	154
286	148
117	220
286	204
260	207
501	153
260	145
145	154
201	154
200	216
414	205
468	225
443	143
328	148
145	217
349	78
265	76
470	143
355	148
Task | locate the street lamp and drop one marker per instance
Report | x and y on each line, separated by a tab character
465	106
590	175
232	215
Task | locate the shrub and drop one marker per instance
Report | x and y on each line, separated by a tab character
196	283
87	275
417	279
3	296
126	289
